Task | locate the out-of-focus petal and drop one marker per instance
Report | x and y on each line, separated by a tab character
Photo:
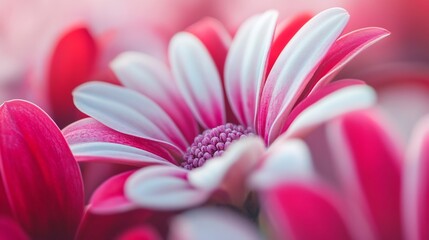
229	172
153	79
163	188
212	224
41	177
9	229
198	79
305	212
327	103
368	163
293	69
415	192
110	196
71	64
140	233
127	111
285	160
246	65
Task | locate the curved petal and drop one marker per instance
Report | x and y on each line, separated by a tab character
368	163
246	65
153	79
294	67
344	49
90	130
329	102
128	112
205	224
163	188
285	161
198	79
110	196
229	172
41	177
9	229
293	207
71	64
415	193
141	233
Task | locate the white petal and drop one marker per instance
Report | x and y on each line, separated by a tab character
212	224
163	188
198	79
286	160
339	102
246	65
113	152
295	65
128	112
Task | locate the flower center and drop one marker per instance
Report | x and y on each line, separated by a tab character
212	143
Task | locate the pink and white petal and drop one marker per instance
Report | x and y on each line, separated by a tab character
116	153
140	233
215	38
41	178
294	67
415	192
285	161
129	112
198	79
163	188
246	65
363	146
71	64
90	130
305	212
152	78
205	223
344	49
327	104
229	172
9	229
284	32
109	198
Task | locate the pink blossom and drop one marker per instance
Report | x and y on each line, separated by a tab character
268	82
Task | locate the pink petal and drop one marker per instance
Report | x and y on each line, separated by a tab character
89	130
152	78
9	229
294	67
228	173
41	177
110	196
205	224
163	188
284	33
128	112
368	163
285	161
140	233
71	64
329	102
343	50
302	212
415	194
198	79
246	65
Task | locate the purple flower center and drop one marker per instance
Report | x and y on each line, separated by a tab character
212	143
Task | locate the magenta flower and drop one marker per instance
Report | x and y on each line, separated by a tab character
378	192
41	190
268	82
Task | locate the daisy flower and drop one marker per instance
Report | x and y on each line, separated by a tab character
205	120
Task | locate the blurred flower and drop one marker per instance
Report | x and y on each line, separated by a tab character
379	192
149	122
41	191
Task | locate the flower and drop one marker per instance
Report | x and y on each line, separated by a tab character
41	190
264	83
380	191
